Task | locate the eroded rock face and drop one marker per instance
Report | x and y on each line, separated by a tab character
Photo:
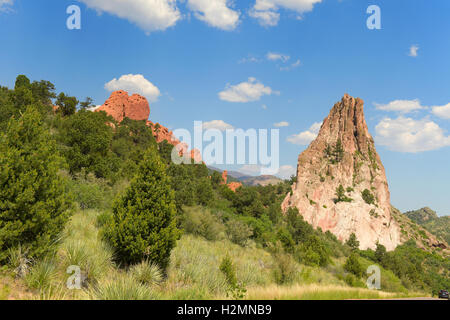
120	106
322	168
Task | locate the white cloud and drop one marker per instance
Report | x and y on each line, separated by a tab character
281	124
266	11
409	135
285	172
306	137
250	59
149	15
217	124
402	106
5	5
296	64
413	51
251	169
216	13
265	18
272	56
135	83
93	108
252	90
442	111
264	106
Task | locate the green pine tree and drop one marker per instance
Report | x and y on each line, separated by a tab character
33	205
353	265
353	242
144	226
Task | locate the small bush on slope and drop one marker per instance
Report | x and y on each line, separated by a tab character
201	222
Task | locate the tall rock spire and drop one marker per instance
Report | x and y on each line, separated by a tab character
343	154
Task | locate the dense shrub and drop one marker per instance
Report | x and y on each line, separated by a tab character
143	226
87	138
239	232
353	265
201	222
33	203
285	269
368	197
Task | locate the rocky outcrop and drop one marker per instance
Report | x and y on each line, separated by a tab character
233	186
136	107
120	106
161	133
343	157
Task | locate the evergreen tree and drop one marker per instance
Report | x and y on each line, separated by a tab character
353	265
353	242
143	226
340	193
338	151
380	253
204	191
88	139
33	205
67	105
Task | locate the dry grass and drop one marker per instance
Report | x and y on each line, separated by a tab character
317	292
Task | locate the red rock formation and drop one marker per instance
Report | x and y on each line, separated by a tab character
119	105
232	185
225	176
358	169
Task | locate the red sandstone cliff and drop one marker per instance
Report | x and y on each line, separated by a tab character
358	168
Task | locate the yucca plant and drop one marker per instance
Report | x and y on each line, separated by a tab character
41	275
18	261
124	288
147	273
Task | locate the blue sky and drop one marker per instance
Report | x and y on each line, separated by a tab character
291	66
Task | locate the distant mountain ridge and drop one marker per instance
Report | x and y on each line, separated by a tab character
263	180
427	218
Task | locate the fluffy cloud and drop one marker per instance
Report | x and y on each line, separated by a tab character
409	135
306	137
135	83
216	13
252	90
442	111
402	106
149	15
217	124
281	124
5	5
413	51
251	169
266	11
277	56
285	172
265	18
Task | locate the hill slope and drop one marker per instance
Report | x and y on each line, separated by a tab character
427	218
